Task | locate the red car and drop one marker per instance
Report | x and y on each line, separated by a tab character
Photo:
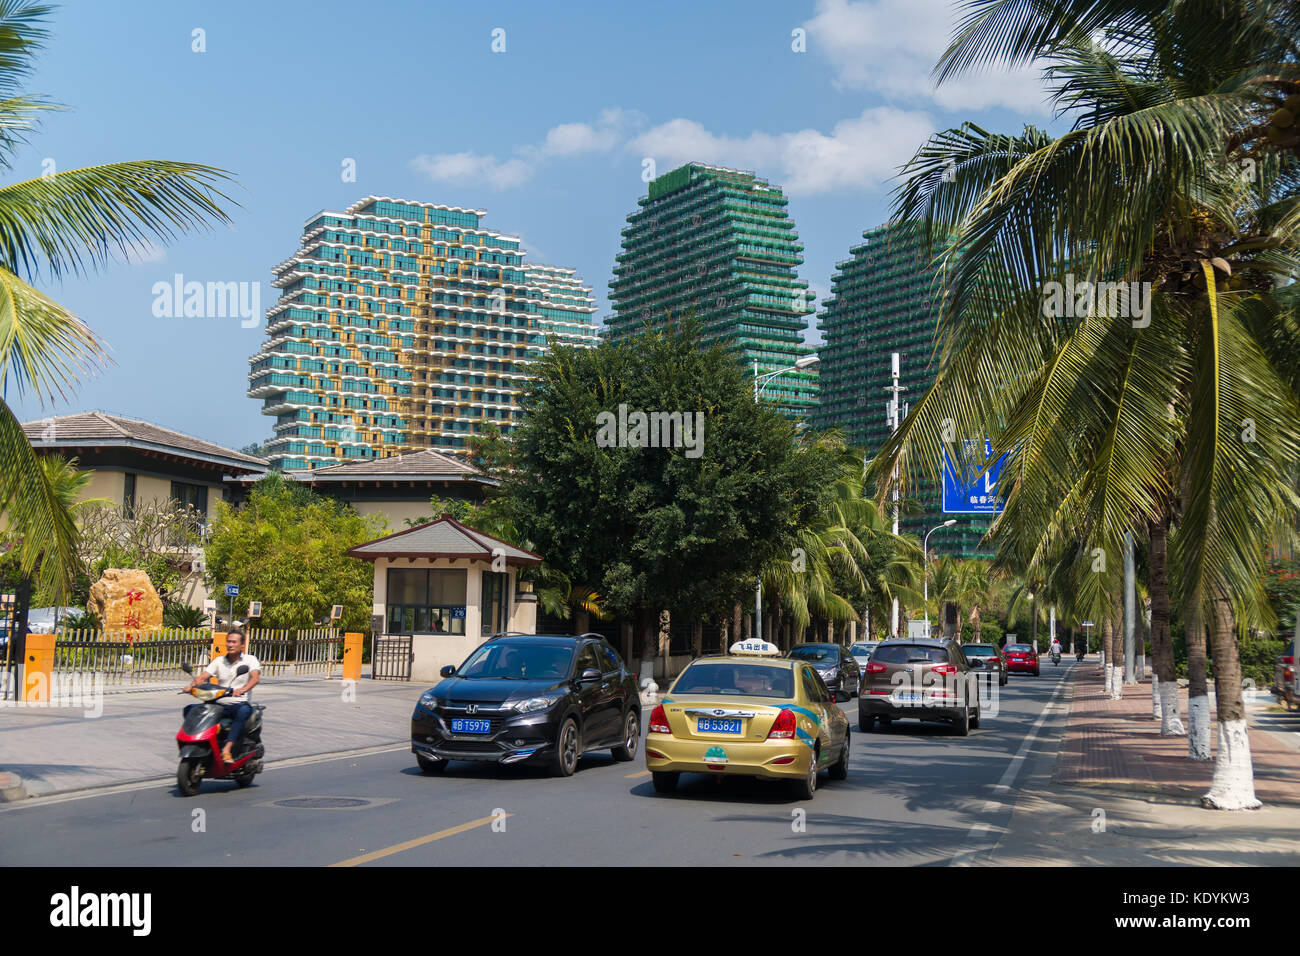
1022	658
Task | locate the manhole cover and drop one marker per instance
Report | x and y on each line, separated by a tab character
322	803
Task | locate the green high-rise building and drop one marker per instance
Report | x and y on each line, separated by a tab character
718	244
885	299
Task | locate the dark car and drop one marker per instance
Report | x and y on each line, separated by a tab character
529	699
838	668
986	658
922	679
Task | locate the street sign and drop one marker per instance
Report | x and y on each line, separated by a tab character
254	608
232	590
1087	624
965	490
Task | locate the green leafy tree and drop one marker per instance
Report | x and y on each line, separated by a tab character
287	548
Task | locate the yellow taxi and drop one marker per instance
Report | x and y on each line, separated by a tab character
749	713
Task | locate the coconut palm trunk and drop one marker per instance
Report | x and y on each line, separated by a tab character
1164	679
1234	784
1198	699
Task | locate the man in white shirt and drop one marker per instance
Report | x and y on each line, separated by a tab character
223	669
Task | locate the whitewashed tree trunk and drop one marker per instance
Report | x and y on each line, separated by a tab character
1234	781
1170	723
1155	697
1198	720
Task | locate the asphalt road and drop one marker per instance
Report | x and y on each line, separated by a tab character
916	795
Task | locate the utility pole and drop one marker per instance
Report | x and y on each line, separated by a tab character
1130	609
893	416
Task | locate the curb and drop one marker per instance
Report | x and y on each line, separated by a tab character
11	787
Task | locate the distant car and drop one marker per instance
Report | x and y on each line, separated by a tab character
529	699
837	667
1021	659
986	657
1284	679
750	713
863	650
919	678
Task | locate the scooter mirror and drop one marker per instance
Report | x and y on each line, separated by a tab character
187	667
242	670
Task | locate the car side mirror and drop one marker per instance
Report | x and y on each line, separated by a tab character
589	676
447	671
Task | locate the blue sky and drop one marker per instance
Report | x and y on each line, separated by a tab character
550	136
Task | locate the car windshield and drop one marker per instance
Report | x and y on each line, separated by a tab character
1025	648
977	651
861	651
508	660
911	654
821	655
736	680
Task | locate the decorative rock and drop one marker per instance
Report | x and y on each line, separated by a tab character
126	602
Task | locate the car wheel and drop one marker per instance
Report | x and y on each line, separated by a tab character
840	769
961	725
975	720
806	788
664	782
430	766
866	724
857	689
565	760
631	738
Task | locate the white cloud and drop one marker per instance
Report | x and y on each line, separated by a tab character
858	153
890	47
565	140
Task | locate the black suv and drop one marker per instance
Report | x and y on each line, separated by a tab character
529	699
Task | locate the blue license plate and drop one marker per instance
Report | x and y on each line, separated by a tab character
461	725
712	725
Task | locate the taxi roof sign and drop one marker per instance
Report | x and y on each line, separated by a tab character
754	649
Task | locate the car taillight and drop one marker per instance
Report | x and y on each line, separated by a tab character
782	727
874	668
944	669
1288	660
659	721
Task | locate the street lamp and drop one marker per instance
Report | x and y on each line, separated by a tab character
760	382
925	568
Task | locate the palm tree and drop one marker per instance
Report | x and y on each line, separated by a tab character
1114	423
67	222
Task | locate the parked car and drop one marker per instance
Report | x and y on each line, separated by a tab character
836	666
986	658
927	679
529	699
749	713
1021	658
1284	679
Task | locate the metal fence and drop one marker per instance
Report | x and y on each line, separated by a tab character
156	657
131	658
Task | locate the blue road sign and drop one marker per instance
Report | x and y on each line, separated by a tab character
232	590
965	490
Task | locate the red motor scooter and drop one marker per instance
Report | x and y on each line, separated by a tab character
203	734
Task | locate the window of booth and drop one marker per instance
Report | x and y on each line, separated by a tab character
426	601
496	594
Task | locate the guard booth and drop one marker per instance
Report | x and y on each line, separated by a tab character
441	589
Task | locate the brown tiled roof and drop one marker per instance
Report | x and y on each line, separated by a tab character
443	538
417	464
96	428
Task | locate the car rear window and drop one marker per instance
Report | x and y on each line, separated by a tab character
906	653
819	655
746	680
1018	647
977	651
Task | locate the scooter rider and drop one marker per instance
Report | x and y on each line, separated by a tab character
223	669
1055	649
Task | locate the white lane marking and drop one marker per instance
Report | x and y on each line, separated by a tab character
111	788
1003	786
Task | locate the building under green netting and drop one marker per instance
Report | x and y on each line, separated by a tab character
885	299
718	245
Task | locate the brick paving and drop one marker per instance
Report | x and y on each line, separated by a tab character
1116	744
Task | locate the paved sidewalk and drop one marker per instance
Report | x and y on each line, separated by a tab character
54	750
1115	744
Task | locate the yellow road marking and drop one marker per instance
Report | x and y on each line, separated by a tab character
419	841
643	773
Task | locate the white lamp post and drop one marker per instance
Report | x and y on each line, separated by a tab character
760	382
925	558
